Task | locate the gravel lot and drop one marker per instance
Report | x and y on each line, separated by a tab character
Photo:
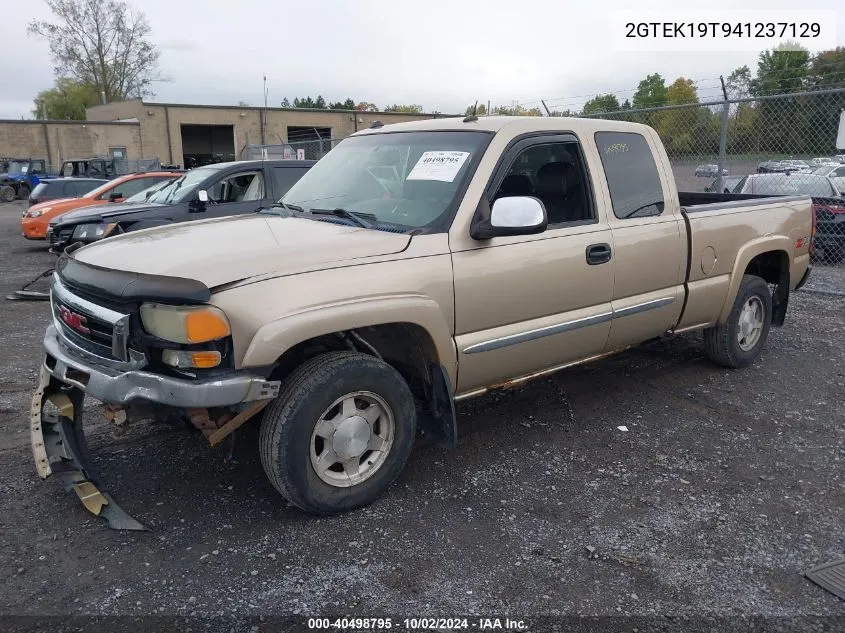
725	488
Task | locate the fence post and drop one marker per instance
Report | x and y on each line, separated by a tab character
723	138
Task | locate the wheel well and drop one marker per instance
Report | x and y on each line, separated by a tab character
773	267
406	346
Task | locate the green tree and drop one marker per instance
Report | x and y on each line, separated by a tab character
738	83
651	92
684	131
349	104
312	104
517	110
601	103
410	109
821	112
101	43
780	70
67	100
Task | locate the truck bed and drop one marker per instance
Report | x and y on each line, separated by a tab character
693	201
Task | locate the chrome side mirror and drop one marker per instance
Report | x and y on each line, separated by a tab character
202	195
515	215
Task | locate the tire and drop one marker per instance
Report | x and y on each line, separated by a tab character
290	437
23	192
724	343
7	194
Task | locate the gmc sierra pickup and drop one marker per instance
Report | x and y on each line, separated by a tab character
415	265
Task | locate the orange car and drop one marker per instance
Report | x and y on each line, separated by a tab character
37	218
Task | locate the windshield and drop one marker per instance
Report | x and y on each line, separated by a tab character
825	170
18	167
141	196
181	189
801	185
408	179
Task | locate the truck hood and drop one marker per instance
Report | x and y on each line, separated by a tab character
103	212
223	250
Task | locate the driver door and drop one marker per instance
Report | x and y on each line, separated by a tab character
236	193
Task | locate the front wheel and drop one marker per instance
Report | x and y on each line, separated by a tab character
739	341
339	432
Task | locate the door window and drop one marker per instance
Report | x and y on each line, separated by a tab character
241	187
636	190
555	174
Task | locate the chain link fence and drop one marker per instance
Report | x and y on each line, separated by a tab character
771	145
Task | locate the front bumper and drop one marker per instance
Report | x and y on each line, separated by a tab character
113	386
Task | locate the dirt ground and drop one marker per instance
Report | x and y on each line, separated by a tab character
725	487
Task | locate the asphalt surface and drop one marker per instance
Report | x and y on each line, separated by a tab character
724	488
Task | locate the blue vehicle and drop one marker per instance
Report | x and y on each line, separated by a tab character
21	177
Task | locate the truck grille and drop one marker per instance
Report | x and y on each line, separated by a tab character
61	235
92	329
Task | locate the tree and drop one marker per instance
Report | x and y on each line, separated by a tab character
409	109
102	43
738	83
308	102
365	106
349	104
782	69
626	105
601	103
517	110
66	101
651	92
684	131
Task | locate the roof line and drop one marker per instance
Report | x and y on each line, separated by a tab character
252	107
69	122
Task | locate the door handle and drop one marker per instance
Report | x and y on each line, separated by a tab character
598	254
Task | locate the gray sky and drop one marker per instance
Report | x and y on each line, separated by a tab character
440	54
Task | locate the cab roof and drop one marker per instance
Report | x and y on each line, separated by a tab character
511	124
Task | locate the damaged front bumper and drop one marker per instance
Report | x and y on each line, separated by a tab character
68	374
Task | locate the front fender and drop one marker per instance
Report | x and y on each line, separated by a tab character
276	337
746	253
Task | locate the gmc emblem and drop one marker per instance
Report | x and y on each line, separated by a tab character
73	320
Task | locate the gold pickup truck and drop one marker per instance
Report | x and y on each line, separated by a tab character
415	265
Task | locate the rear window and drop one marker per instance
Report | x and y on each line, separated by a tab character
632	177
40	190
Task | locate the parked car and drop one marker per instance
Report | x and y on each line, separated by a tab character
21	177
212	191
37	218
358	312
828	207
55	188
709	171
729	183
836	173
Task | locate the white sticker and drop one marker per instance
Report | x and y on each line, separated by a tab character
443	166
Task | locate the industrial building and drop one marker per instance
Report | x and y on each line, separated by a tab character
184	134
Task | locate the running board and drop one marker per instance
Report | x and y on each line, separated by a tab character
59	449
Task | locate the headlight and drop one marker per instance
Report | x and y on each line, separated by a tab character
184	324
36	212
92	231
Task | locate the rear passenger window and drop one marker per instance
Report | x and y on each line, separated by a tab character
632	177
284	178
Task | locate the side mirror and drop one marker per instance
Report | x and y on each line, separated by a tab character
199	203
115	196
202	196
516	215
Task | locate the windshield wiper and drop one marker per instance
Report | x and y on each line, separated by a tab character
347	215
282	205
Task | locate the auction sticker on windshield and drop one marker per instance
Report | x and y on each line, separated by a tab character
443	166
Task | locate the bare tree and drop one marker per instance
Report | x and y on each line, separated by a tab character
102	43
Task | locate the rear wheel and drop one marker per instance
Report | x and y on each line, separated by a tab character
339	432
739	341
7	194
23	192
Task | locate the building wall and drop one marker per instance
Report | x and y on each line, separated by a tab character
59	140
156	119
